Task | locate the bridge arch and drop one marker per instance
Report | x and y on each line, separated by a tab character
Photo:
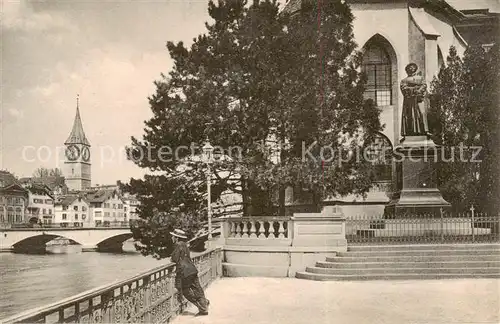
35	243
91	239
113	243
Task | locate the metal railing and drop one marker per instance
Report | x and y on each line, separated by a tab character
65	225
425	228
149	297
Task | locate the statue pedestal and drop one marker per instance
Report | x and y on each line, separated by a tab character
416	186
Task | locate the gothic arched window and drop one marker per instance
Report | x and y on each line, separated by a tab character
378	69
378	151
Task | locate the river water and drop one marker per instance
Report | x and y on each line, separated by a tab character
28	281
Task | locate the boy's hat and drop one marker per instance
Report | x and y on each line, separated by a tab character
179	233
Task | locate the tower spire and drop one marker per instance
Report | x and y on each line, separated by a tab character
77	135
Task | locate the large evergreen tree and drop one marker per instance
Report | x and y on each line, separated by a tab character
269	85
466	115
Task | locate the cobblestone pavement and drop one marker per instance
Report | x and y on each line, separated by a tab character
268	300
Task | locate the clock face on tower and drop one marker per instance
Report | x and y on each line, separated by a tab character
72	152
86	154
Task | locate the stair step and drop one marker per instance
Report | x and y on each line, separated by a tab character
396	265
418	253
392	276
413	247
377	271
425	258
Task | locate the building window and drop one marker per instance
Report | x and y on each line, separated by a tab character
64	216
65	207
76	216
10	215
84	208
50	211
19	216
378	151
377	67
75	208
48	201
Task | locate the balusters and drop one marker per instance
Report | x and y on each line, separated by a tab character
281	230
253	229
232	229
262	230
237	229
244	233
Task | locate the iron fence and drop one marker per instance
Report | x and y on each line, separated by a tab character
149	297
441	227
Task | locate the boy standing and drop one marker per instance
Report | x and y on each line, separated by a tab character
186	279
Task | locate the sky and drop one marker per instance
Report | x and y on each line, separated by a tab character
109	53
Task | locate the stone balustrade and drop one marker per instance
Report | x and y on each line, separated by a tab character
149	297
278	246
258	227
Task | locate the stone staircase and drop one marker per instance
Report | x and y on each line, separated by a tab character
400	262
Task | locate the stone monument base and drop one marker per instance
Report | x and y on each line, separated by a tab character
416	191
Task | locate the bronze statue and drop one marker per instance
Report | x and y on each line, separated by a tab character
414	89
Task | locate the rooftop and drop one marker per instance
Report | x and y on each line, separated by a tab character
292	6
66	200
77	135
51	181
6	179
99	195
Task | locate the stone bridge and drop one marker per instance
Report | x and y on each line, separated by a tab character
100	239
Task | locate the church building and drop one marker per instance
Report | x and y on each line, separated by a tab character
391	34
77	163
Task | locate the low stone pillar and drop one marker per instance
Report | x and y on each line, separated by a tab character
315	237
319	229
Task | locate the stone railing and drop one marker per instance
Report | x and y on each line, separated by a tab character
146	298
258	227
278	246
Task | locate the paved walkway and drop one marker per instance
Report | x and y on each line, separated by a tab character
290	301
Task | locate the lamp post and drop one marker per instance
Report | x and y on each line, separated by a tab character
207	151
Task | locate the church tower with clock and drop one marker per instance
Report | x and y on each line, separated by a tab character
77	165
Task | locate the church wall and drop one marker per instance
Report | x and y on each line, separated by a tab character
77	174
394	22
380	18
446	39
416	47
